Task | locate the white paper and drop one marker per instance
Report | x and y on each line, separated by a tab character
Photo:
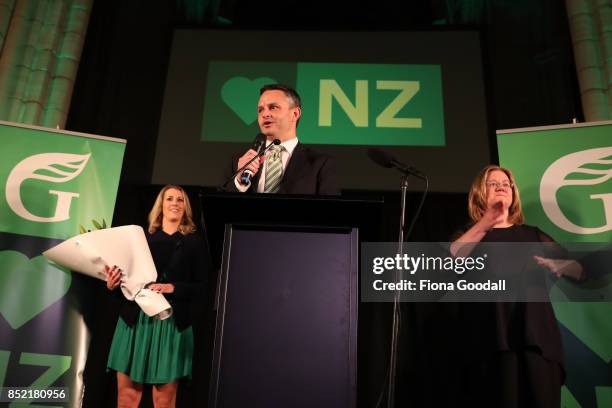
125	247
153	304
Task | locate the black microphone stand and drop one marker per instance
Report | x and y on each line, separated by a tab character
396	299
385	159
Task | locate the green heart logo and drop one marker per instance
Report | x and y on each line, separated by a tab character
241	95
29	286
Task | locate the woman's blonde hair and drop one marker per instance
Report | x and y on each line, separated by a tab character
477	200
186	225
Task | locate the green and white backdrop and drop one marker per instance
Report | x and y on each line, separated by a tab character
565	178
54	184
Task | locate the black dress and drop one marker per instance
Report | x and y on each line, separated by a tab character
512	355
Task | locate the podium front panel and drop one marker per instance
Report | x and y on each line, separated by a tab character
286	332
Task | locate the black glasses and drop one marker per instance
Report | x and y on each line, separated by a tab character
505	185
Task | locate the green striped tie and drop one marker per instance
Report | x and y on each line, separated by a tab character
274	170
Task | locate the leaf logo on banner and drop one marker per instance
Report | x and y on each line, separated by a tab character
52	167
584	168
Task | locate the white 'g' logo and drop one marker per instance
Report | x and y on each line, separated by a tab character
53	167
555	177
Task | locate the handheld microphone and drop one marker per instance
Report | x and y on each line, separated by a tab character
231	179
258	144
386	159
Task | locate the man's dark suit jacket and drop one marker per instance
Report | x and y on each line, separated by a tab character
307	172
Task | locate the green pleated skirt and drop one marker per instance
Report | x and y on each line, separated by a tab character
151	352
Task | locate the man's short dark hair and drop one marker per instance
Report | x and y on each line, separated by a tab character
289	92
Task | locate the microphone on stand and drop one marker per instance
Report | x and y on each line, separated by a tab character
258	144
386	159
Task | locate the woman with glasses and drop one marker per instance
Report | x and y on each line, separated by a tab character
513	351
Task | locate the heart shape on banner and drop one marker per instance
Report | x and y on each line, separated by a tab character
29	286
240	94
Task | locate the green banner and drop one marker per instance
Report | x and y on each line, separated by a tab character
357	104
54	184
565	180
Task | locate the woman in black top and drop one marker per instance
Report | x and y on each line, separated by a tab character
513	351
146	350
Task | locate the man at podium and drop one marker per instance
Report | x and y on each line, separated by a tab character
287	166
